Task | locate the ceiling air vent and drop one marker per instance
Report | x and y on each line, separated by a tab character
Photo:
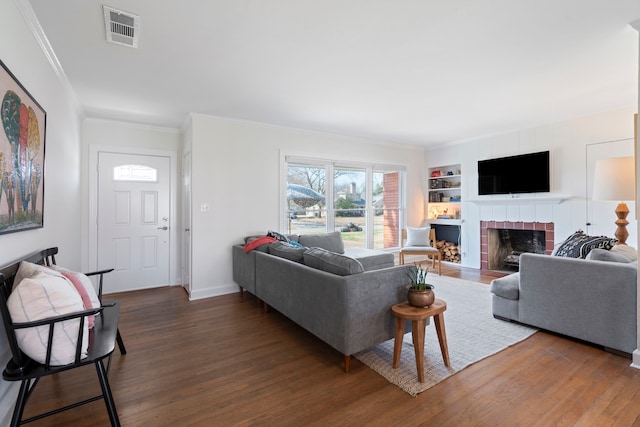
122	27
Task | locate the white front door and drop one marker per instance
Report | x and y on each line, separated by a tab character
133	220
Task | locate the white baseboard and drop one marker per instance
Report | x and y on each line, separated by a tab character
213	292
635	363
8	401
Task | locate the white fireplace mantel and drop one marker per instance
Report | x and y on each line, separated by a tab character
553	198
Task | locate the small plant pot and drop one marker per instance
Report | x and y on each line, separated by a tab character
420	298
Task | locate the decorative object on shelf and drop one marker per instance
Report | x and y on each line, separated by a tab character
420	293
614	179
435	174
21	156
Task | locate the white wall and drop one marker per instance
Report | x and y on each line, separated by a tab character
22	55
568	143
236	171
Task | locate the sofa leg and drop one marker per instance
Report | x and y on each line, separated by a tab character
347	364
241	292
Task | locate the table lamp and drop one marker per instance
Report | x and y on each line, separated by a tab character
615	179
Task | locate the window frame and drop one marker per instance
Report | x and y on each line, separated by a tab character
330	166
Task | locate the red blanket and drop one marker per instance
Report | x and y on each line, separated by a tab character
258	242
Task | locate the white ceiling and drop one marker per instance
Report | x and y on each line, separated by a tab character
414	71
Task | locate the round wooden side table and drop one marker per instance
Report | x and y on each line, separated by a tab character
418	317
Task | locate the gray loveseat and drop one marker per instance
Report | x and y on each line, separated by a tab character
343	299
593	300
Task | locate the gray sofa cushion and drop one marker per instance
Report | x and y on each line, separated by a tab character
605	255
507	286
371	259
330	241
287	251
627	251
332	262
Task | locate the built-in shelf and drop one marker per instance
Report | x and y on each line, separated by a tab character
551	198
444	190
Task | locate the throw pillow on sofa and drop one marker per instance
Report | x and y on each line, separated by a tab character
330	241
605	255
287	251
627	251
579	244
332	262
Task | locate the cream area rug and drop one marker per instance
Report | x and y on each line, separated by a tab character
472	335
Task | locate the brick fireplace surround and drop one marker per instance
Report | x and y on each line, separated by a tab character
547	227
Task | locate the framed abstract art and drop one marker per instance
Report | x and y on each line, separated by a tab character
22	148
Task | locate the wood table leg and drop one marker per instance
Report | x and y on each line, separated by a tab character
418	327
397	342
442	337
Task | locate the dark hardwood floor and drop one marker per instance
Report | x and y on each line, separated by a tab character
223	361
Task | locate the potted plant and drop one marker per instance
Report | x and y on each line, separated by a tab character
420	293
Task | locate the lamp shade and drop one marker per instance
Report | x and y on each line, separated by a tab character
615	179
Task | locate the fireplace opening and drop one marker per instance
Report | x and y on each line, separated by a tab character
506	245
512	241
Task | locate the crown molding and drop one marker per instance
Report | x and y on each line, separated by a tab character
27	12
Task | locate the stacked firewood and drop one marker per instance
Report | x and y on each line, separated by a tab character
450	251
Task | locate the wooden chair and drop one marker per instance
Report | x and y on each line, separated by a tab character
430	252
102	340
49	258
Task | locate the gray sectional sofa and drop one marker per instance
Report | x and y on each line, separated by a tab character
343	297
592	299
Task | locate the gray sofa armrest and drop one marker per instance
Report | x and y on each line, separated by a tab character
244	268
593	301
350	313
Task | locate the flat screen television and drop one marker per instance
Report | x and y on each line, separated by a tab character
525	173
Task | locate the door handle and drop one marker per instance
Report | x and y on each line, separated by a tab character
165	228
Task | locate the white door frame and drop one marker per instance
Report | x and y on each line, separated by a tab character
174	220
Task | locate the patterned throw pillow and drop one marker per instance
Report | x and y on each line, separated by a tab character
579	244
81	282
45	295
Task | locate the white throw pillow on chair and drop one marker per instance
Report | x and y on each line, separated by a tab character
418	236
